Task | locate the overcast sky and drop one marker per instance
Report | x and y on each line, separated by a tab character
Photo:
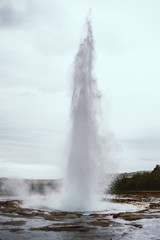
38	42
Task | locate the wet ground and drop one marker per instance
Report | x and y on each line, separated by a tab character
21	223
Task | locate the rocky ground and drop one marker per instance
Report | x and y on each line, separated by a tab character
18	222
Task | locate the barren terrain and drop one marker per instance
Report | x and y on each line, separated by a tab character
18	222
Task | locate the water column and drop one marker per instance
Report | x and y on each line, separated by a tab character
83	159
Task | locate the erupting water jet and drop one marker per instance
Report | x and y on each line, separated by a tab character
84	156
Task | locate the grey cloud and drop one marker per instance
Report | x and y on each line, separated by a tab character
147	142
28	12
20	145
151	159
10	16
10	135
18	13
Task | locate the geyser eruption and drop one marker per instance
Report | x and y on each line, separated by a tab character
84	156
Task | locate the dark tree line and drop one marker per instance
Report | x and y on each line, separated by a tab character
146	181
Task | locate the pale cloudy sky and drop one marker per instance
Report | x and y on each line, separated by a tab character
38	42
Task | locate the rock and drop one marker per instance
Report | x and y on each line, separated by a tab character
73	228
13	223
99	223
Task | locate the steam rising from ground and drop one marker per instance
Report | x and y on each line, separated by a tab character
45	194
33	193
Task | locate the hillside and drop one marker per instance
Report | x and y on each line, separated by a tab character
139	181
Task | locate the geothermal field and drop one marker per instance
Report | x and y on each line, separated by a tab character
64	173
37	215
79	206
